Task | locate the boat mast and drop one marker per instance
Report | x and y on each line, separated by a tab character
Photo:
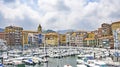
58	49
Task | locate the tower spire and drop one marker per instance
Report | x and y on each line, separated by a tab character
39	29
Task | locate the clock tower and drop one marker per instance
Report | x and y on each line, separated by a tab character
39	30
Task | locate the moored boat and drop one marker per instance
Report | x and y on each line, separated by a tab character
67	65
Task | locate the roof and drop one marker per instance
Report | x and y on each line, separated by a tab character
118	22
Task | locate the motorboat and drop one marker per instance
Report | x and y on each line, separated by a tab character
81	65
100	64
29	62
67	65
1	65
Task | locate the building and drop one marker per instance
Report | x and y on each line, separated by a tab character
105	36
62	38
99	35
90	40
32	37
80	36
106	42
75	38
28	37
106	29
68	34
116	34
2	35
13	35
51	39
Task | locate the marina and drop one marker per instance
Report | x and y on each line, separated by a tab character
61	57
59	33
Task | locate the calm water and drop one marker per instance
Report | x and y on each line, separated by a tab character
56	62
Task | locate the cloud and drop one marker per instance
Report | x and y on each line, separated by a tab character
8	1
59	14
60	6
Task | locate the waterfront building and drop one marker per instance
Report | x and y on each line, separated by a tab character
72	39
99	35
75	38
116	34
2	35
90	40
106	39
106	42
104	36
115	25
68	37
13	35
28	37
106	29
32	37
62	38
80	36
51	39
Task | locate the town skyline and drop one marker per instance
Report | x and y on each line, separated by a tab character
58	14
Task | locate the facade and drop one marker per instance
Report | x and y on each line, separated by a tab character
72	39
68	36
105	36
80	36
62	38
51	39
106	42
13	35
106	29
116	34
2	35
90	40
29	37
99	35
75	38
32	37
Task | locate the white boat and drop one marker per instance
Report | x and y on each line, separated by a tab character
36	60
100	64
95	63
1	65
80	58
67	65
44	60
90	63
3	45
84	58
29	62
81	65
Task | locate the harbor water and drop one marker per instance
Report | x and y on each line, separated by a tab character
56	62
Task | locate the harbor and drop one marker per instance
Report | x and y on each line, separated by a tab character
59	33
59	57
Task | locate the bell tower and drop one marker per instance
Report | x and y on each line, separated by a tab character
39	30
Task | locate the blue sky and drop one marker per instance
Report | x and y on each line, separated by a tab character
59	14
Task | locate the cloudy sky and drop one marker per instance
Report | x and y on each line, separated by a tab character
59	14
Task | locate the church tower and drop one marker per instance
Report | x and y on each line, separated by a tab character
39	30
